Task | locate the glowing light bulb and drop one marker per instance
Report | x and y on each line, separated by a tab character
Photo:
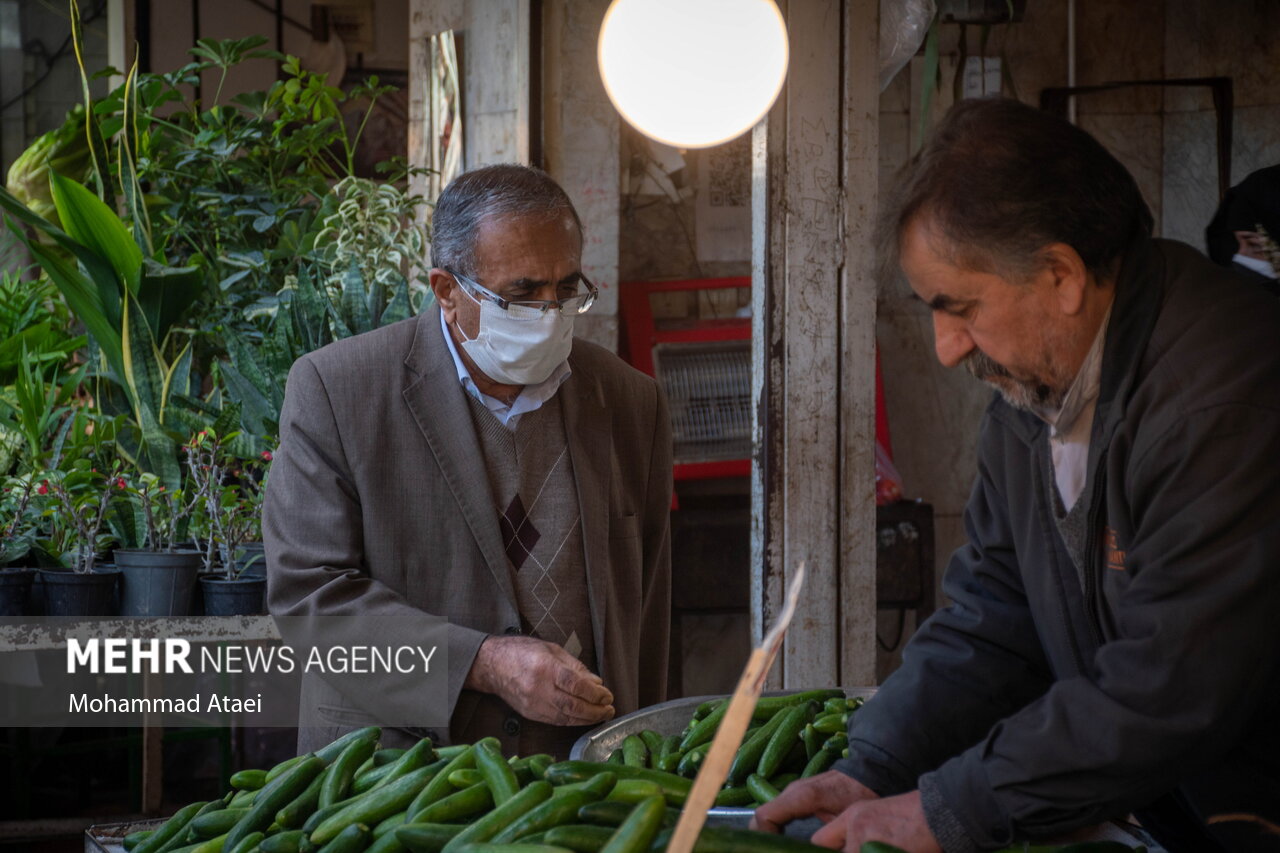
693	73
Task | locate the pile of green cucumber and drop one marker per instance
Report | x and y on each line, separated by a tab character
352	797
790	737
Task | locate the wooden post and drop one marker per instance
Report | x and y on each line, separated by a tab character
814	173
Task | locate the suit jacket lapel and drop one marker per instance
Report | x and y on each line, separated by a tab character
587	427
438	403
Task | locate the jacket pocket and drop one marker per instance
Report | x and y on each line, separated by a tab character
345	716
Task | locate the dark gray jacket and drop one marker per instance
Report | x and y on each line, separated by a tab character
1035	704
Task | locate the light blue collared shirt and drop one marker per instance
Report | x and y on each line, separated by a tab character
531	396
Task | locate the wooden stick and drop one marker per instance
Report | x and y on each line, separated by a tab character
715	767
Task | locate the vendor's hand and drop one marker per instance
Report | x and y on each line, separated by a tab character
540	681
894	820
823	796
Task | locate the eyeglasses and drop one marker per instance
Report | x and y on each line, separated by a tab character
532	309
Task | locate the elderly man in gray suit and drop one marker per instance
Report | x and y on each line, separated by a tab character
479	464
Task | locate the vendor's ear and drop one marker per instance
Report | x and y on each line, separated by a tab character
446	291
1068	274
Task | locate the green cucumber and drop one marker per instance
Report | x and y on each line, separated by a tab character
274	797
452	751
692	760
635	753
812	743
834	706
748	756
538	765
243	799
170	829
341	774
283	842
783	739
704	730
320	815
511	848
734	797
830	724
615	757
301	807
419	755
706	708
581	838
770	705
387	756
634	791
217	823
607	813
439	786
639	829
211	845
390	824
465	778
329	754
760	788
366	780
275	772
879	847
133	839
386	844
248	843
502	816
188	836
457	806
248	780
427	837
675	788
375	806
353	839
497	773
559	810
652	742
820	763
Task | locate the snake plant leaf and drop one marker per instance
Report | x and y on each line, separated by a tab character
355	308
144	373
165	294
91	223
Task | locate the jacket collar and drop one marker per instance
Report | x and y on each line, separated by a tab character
1139	294
438	403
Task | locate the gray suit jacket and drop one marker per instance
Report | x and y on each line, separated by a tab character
378	504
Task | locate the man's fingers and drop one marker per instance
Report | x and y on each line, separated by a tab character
832	835
799	799
580	682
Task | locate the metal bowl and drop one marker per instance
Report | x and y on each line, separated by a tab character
670	718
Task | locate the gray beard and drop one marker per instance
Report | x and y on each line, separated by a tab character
1025	396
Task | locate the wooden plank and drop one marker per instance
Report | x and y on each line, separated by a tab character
810	415
861	134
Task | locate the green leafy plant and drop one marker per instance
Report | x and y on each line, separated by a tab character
226	516
78	499
151	516
19	519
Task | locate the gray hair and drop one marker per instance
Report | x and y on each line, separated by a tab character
487	193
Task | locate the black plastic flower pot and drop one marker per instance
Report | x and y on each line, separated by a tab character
68	593
15	591
239	597
157	583
253	561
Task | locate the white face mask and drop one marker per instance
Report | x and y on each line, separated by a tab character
516	350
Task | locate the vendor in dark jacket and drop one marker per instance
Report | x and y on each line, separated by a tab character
1112	646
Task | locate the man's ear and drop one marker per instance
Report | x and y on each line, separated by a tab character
445	290
1069	275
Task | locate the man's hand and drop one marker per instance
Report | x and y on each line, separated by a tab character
895	820
824	796
541	681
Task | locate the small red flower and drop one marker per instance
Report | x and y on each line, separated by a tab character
44	488
266	456
120	483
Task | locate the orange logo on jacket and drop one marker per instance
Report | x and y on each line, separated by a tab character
1115	554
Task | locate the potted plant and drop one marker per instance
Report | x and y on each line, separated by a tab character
225	519
18	516
76	503
158	578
